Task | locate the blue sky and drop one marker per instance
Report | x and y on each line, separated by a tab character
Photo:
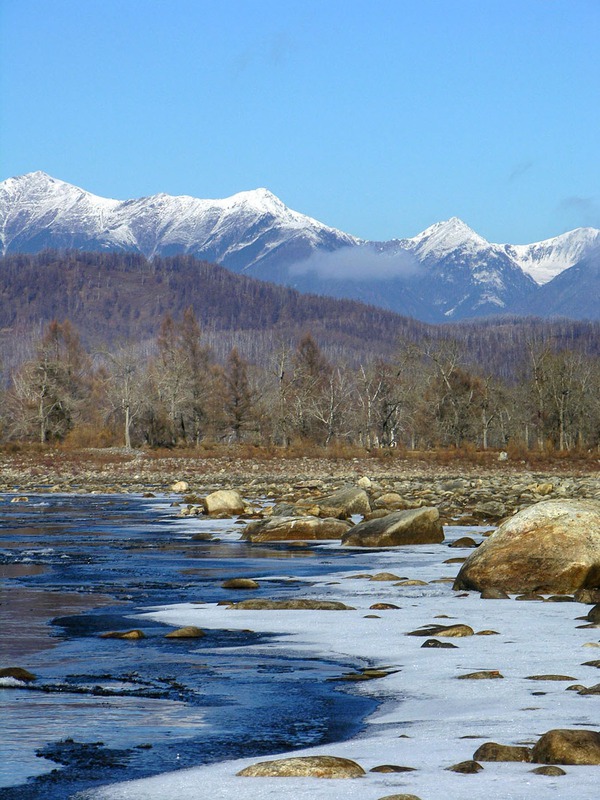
376	117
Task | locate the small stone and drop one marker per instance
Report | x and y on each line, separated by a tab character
489	674
259	604
433	643
400	797
553	772
493	593
451	631
385	576
179	486
464	541
465	767
550	678
383	607
530	596
304	767
385	768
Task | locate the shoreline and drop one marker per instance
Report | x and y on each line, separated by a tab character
427	720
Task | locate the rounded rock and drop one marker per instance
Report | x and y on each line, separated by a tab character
305	767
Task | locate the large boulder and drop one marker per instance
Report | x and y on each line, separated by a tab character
550	547
224	501
565	746
305	767
417	526
278	529
345	502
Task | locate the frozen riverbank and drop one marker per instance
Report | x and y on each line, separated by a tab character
430	718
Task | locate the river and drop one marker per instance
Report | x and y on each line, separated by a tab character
76	566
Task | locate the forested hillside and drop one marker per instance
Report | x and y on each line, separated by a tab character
113	349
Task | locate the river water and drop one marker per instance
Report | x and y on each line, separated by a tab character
75	566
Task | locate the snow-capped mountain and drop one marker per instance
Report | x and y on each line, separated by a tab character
447	272
244	232
462	273
545	260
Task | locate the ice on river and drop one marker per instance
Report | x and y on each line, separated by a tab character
427	719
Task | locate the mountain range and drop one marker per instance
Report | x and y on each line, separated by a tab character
446	273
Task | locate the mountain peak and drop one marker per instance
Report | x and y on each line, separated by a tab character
444	237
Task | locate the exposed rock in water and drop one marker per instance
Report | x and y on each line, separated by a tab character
305	767
464	541
129	635
18	673
343	503
240	583
550	547
187	632
417	526
275	529
224	501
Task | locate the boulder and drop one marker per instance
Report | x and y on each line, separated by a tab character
224	501
305	767
345	502
179	486
274	529
550	547
565	746
417	526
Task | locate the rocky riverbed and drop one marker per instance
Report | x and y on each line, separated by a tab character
464	493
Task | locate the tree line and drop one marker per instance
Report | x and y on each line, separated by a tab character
177	391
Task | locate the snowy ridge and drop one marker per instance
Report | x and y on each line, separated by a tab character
36	208
545	260
447	271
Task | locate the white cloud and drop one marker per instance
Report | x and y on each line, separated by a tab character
358	263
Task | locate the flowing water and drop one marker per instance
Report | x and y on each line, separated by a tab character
74	567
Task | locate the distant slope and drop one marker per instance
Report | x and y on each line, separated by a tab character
563	296
117	298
